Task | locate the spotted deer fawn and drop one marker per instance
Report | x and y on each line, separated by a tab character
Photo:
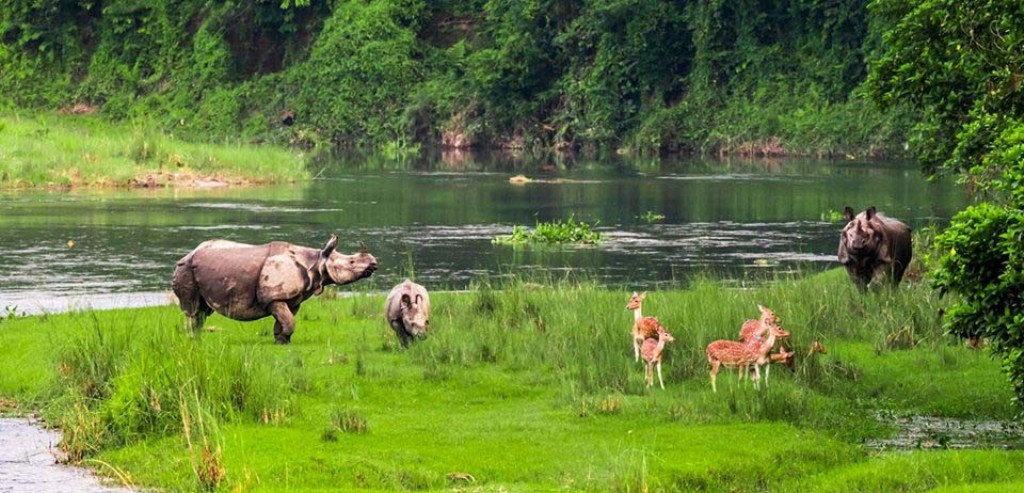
742	355
643	327
652	351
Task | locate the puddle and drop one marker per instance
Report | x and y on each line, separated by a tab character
931	432
28	463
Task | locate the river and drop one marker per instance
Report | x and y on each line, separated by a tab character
664	222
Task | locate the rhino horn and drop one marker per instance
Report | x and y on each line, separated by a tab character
332	243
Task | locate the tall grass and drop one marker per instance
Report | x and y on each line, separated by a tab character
526	385
52	150
134	381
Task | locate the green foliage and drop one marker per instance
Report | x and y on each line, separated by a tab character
984	265
958	65
568	231
361	71
645	76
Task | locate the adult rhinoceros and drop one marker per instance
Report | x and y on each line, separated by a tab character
872	243
249	282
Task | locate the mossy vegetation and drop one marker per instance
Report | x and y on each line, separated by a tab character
521	387
48	150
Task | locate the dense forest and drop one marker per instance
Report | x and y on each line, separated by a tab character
740	77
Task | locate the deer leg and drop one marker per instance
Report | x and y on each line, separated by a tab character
636	348
767	370
757	376
714	371
660	381
284	324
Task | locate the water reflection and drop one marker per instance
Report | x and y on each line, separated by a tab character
435	219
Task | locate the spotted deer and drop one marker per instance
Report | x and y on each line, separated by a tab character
643	327
652	351
742	355
783	356
754	329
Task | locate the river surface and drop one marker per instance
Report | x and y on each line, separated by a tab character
28	463
745	221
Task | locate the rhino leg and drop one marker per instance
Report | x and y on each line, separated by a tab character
284	321
403	336
190	300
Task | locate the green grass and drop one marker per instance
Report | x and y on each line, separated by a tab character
49	150
525	387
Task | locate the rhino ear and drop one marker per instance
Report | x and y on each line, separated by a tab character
870	213
844	257
848	213
406	301
332	243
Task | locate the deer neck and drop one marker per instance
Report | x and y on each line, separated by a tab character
768	344
636	315
659	348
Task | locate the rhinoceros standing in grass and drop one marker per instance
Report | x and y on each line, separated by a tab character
872	243
408	311
249	282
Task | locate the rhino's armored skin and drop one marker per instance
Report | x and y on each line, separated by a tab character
407	310
249	282
873	244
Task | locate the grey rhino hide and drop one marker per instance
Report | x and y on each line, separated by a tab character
249	282
871	244
407	310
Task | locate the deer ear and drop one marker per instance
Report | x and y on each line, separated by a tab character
635	295
643	295
332	243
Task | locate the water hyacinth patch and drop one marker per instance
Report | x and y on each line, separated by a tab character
554	232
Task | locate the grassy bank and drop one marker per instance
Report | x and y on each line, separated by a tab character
527	387
49	150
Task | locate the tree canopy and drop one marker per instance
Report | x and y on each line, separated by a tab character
729	76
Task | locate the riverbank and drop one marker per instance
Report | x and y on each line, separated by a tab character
526	387
68	151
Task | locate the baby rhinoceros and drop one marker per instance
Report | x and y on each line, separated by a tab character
249	282
408	311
